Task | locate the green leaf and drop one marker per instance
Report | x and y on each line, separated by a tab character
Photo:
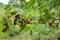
11	26
23	26
42	28
30	3
1	28
2	12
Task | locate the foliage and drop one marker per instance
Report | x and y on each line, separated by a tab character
40	16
